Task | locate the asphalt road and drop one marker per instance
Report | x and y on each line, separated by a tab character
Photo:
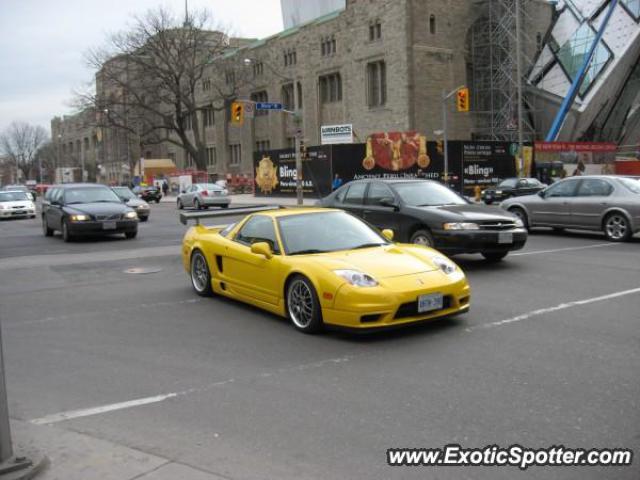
237	392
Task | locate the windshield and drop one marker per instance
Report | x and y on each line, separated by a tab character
631	184
125	193
325	232
90	195
13	196
427	194
508	183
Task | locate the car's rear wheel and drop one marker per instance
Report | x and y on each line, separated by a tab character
48	232
422	237
131	235
303	306
494	256
180	205
66	235
200	274
144	219
617	228
521	214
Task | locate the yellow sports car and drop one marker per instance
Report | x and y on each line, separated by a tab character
321	267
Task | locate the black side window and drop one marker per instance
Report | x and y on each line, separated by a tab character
562	189
377	192
355	195
595	188
258	229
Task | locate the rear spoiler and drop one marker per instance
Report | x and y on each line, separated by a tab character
185	217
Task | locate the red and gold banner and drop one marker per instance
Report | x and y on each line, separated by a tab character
396	151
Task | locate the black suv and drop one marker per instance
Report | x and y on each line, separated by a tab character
149	194
86	209
512	187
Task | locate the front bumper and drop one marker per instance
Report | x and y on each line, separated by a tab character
394	302
23	212
475	241
97	227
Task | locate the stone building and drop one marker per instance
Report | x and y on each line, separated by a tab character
380	65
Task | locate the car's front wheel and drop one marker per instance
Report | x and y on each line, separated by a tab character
66	234
422	237
522	215
131	235
303	306
200	274
617	228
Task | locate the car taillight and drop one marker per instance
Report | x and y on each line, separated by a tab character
205	193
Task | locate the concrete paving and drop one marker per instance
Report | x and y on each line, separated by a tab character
116	375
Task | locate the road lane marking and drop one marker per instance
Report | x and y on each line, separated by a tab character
87	412
567	249
562	306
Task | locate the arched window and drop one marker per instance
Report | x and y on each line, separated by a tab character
432	24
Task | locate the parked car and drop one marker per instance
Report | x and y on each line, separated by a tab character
512	187
15	204
20	188
132	200
606	203
149	194
428	213
77	209
203	195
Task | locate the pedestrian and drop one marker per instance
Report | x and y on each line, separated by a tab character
165	187
337	182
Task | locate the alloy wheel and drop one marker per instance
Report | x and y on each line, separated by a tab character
616	227
199	272
300	303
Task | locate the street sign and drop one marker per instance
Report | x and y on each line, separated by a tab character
248	110
268	106
335	134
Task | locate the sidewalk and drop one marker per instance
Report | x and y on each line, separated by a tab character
249	199
76	456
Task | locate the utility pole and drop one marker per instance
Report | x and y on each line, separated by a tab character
519	77
446	96
6	448
297	121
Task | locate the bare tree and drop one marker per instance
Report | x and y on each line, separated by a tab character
150	77
20	142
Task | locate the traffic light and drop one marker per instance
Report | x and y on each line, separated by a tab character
237	113
462	99
440	147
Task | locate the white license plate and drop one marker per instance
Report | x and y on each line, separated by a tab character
109	226
505	237
430	302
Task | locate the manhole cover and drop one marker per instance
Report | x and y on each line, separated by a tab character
143	271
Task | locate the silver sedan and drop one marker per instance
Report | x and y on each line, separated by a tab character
203	195
607	203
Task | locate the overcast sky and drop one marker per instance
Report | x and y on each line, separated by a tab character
42	44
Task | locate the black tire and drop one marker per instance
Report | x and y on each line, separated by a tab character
522	215
157	200
144	219
66	235
226	205
48	232
302	305
488	201
494	256
422	237
196	204
200	274
131	235
180	205
616	227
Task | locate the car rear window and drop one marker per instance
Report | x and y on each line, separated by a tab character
631	184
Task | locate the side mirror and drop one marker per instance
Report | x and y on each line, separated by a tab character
388	234
262	248
388	202
541	194
183	191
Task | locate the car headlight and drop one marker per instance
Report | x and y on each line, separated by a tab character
498	192
131	215
519	223
225	192
461	226
143	207
356	278
444	264
79	218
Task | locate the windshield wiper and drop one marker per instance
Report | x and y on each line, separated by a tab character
309	251
368	245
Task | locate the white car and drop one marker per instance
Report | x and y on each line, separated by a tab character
204	195
16	204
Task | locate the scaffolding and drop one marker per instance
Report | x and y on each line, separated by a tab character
496	85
